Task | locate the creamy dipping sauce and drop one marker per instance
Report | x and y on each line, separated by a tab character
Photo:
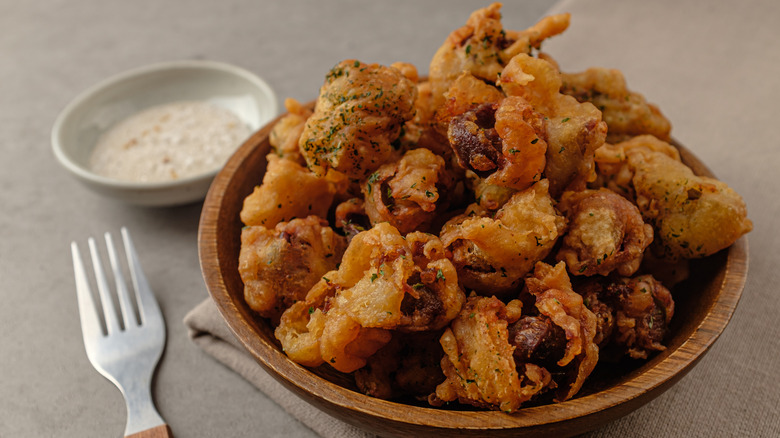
168	142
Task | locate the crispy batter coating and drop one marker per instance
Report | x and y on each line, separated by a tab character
278	266
358	116
519	127
479	364
277	199
433	296
644	310
301	325
408	192
556	300
465	93
408	282
573	130
633	314
492	254
612	169
286	133
605	233
421	130
385	282
482	47
345	344
388	282
626	112
318	330
501	142
694	216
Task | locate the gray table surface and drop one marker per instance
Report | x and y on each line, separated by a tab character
50	51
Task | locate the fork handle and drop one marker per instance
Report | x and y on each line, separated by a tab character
162	431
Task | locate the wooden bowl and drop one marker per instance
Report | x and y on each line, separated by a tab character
704	305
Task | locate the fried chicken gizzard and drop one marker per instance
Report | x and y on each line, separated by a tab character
693	216
385	282
359	113
498	359
278	266
480	237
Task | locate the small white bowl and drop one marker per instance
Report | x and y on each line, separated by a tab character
78	127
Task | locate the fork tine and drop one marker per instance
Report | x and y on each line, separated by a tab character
109	312
125	306
90	324
147	304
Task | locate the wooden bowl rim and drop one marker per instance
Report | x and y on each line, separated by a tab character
334	398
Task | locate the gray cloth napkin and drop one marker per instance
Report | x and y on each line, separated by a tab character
713	69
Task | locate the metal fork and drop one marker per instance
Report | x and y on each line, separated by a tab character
125	354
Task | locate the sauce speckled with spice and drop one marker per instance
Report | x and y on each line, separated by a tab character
168	142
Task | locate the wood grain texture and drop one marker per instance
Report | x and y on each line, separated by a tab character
162	431
704	306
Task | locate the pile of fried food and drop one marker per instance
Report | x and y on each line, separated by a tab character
482	235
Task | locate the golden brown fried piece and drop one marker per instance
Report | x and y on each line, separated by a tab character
605	233
420	131
644	309
633	314
694	216
408	192
345	344
482	47
278	266
573	130
519	128
384	282
372	276
388	282
627	113
612	169
301	325
501	142
317	330
556	300
478	362
400	283
277	199
492	254
286	133
359	114
466	93
433	295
